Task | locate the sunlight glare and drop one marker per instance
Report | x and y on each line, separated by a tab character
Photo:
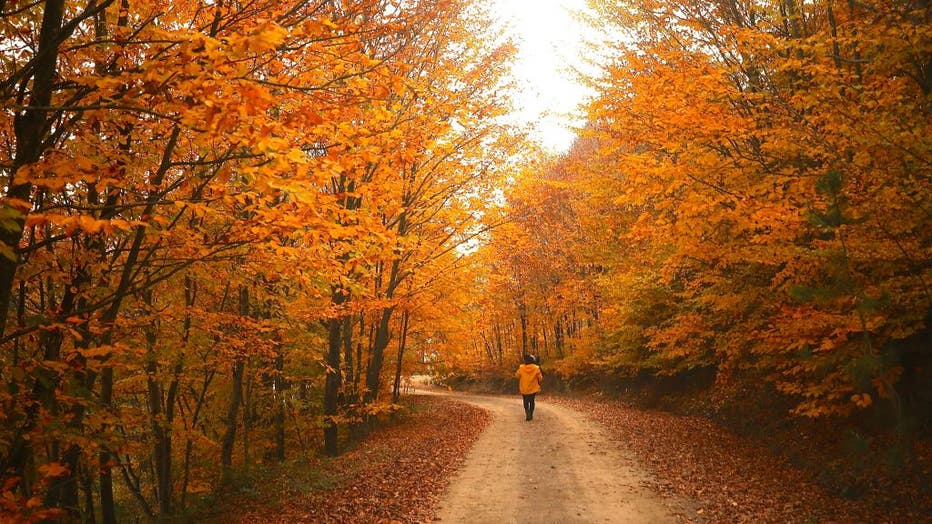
551	47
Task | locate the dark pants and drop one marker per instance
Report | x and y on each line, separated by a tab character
529	405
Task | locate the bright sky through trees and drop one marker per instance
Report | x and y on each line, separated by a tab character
551	43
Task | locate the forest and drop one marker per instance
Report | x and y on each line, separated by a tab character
230	230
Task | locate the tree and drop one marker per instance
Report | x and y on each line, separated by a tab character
173	234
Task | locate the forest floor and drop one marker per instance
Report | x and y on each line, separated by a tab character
679	467
740	479
396	474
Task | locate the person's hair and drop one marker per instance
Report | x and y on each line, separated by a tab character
528	358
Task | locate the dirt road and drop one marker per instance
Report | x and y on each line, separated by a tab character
555	468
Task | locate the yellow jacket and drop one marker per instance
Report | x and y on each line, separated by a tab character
529	377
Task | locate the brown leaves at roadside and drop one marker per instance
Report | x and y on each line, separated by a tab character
732	479
396	475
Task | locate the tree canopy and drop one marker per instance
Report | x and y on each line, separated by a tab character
229	229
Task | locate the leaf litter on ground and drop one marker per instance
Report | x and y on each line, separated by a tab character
398	473
395	475
733	478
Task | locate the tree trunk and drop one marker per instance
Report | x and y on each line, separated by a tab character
558	337
161	437
63	490
396	390
30	126
333	380
248	408
189	443
383	336
349	394
279	420
534	345
87	486
522	311
236	398
357	378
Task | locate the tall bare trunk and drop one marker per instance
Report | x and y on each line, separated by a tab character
278	421
522	311
236	398
348	361
333	381
158	421
396	390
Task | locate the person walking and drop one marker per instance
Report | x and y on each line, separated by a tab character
529	379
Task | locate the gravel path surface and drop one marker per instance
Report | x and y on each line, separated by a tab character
556	468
